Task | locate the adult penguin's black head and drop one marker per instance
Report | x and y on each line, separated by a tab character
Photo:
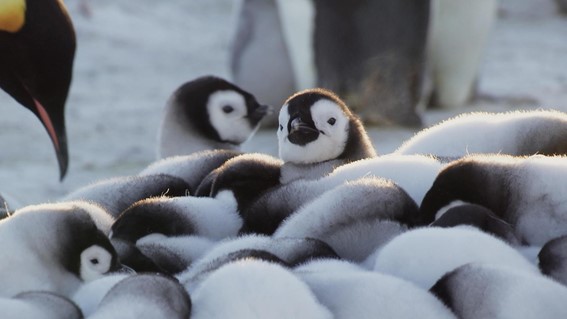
36	63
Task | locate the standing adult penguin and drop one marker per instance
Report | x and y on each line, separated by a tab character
36	63
317	132
258	44
373	53
458	33
208	113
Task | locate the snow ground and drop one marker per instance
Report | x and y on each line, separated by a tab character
133	54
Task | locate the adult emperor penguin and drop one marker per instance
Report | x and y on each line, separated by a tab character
259	46
208	113
317	132
53	247
458	34
373	54
36	63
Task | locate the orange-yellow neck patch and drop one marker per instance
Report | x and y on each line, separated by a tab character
12	15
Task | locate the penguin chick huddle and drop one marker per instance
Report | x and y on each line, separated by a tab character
328	229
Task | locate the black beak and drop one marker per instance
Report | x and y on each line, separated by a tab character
301	133
36	65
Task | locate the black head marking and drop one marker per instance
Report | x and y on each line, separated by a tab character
480	217
303	250
442	289
80	232
153	215
553	257
132	257
301	127
194	95
358	145
164	258
247	176
467	180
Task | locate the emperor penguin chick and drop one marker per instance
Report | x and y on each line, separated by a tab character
208	113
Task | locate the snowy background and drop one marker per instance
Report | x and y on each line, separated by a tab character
133	54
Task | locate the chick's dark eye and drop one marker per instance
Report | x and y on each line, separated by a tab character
332	121
227	109
281	127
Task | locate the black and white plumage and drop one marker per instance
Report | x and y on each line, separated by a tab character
424	255
513	133
479	217
39	304
53	247
36	64
375	61
145	296
258	47
552	259
190	168
316	127
354	293
414	174
118	193
354	218
171	255
489	291
284	251
247	176
214	218
458	33
527	192
255	289
242	180
208	113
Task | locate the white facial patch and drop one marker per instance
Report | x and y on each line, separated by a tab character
95	262
228	115
332	124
